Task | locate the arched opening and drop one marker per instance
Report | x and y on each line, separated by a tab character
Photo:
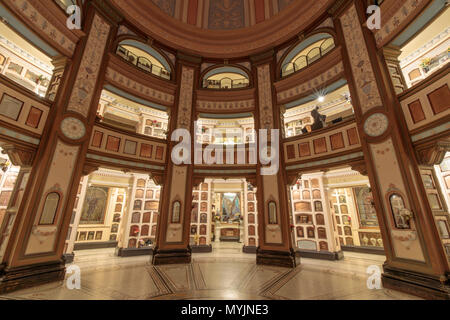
307	52
226	77
144	57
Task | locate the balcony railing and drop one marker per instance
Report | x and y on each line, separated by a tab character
143	63
305	60
226	83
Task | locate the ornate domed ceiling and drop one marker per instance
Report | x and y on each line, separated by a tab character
222	28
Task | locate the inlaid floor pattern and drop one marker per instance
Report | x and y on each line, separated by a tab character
226	273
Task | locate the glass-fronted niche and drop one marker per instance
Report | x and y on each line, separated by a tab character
22	63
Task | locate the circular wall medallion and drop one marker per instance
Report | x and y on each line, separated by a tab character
73	128
376	125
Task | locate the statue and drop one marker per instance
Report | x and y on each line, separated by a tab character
319	119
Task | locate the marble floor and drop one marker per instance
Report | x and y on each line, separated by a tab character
224	274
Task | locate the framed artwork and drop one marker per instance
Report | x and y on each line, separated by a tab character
95	204
113	237
251	230
250	196
153	230
82	236
204	206
251	207
230	206
10	107
364	205
342	199
114	228
300	232
204	196
158	193
195	196
119	198
203	229
118	207
91	235
155	218
344	208
149	194
251	218
132	243
252	242
193	229
203	218
116	218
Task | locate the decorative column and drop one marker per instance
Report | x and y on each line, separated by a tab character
391	54
172	240
416	262
275	241
33	253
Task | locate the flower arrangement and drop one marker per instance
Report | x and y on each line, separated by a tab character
426	63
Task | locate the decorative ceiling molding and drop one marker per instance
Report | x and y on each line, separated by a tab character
247	41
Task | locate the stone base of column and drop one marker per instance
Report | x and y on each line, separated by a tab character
12	279
171	256
421	285
322	255
249	249
277	258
